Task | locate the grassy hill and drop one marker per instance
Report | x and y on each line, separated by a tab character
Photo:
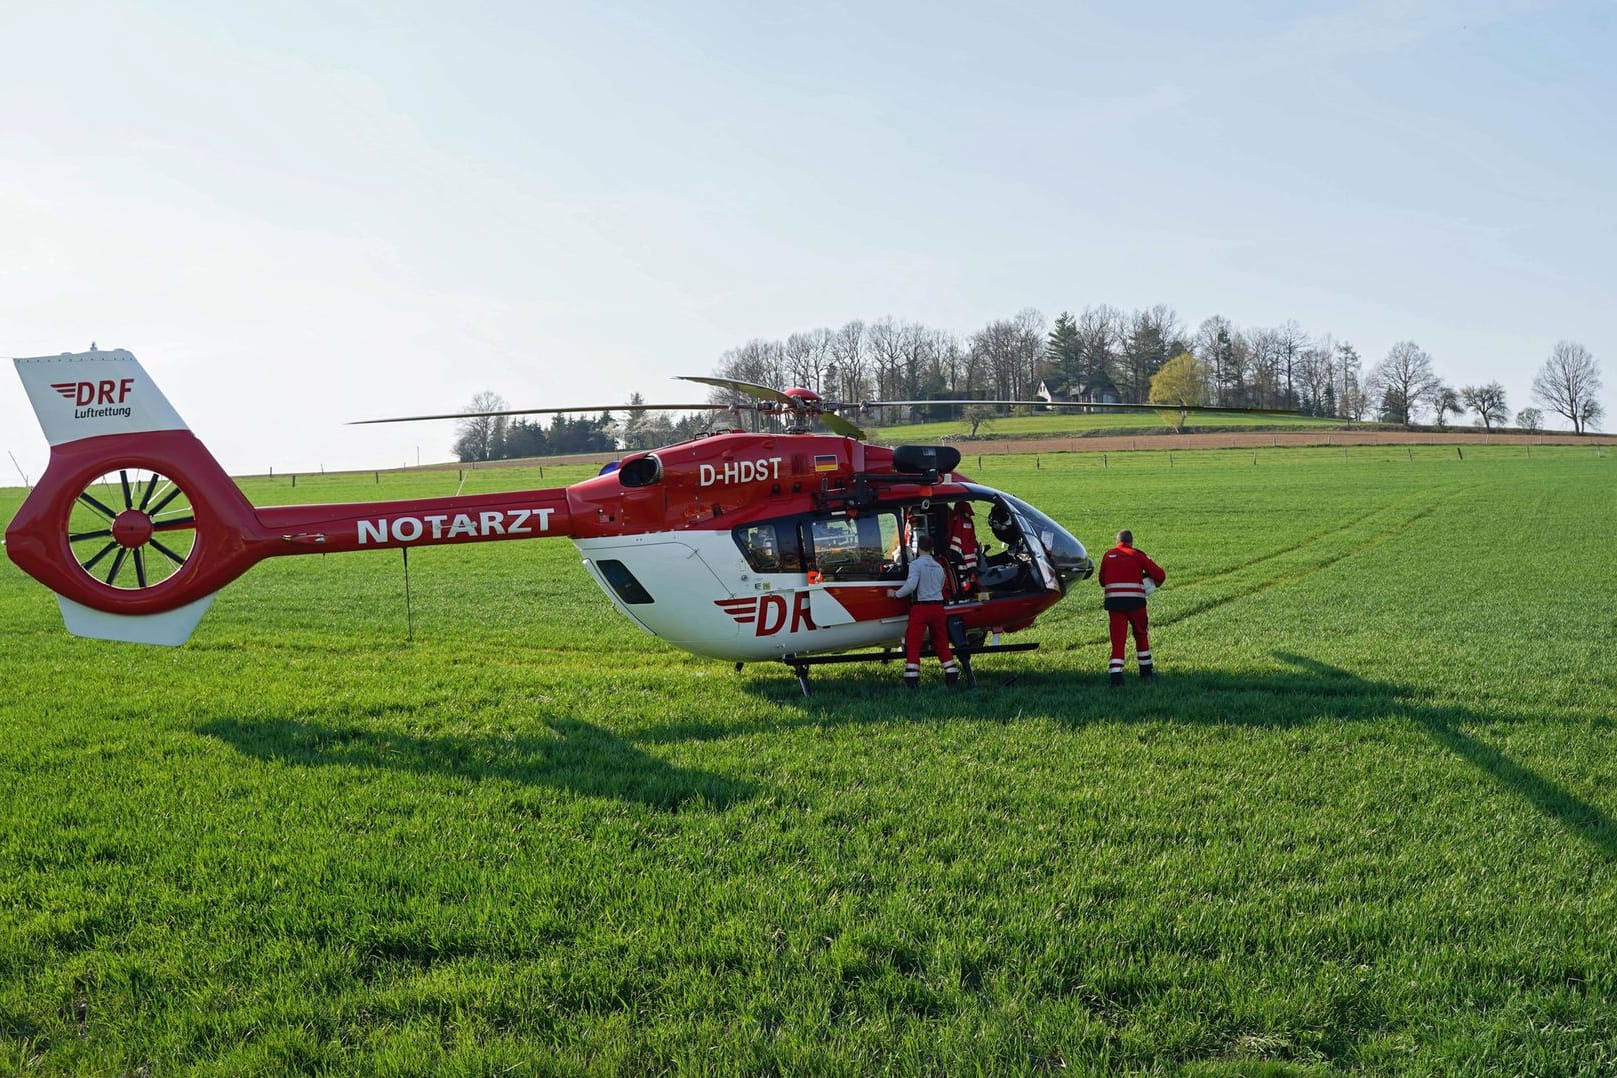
1363	822
1077	425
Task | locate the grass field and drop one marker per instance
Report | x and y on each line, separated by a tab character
1078	425
1364	822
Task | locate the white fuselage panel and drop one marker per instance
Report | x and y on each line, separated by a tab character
706	599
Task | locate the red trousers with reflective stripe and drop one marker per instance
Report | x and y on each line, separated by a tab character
927	618
1121	620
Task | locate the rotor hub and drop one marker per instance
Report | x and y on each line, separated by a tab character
132	528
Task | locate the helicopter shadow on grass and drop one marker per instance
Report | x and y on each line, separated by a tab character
1308	692
577	756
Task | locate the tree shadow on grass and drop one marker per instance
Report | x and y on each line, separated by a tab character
1308	692
580	757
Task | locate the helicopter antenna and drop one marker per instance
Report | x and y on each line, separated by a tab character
409	614
20	472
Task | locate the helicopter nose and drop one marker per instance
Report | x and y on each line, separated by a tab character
1067	555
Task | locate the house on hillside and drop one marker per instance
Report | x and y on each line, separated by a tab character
1099	390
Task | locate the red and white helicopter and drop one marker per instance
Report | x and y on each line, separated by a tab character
736	546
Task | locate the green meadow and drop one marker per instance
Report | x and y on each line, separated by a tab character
1366	820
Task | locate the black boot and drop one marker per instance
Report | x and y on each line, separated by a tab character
1117	679
912	681
1148	671
952	679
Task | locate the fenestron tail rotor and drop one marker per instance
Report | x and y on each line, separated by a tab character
132	528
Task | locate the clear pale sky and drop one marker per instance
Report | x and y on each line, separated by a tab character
304	213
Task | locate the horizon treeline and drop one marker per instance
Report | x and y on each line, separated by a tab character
1101	355
1105	354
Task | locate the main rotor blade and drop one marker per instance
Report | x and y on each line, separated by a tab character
841	426
751	389
1090	405
709	407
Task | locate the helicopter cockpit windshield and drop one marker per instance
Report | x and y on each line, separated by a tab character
1058	556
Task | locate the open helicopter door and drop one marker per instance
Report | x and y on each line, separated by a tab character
1036	545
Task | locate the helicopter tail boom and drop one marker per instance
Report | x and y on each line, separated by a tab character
135	526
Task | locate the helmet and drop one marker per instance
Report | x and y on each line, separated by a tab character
999	520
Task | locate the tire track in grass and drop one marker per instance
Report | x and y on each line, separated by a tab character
1305	541
1261	586
1212	603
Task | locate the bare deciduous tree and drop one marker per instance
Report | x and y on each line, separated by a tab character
885	342
1029	349
1290	343
1212	345
1314	378
1009	348
1153	336
848	353
758	361
1445	402
1488	402
808	357
1403	383
481	437
1568	384
1267	379
1100	335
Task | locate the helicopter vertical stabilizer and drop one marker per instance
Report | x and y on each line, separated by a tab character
89	394
129	506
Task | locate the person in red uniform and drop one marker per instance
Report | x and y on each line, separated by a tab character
925	584
1124	573
963	546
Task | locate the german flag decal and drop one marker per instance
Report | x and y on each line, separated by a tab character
825	462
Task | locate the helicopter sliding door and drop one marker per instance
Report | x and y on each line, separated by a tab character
857	549
859	556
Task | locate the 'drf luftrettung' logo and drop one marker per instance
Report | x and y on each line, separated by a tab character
768	613
92	400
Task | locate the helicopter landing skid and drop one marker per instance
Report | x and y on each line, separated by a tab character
800	664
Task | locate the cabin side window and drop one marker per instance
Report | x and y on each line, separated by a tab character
865	547
772	547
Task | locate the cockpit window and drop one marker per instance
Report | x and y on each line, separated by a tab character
773	547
